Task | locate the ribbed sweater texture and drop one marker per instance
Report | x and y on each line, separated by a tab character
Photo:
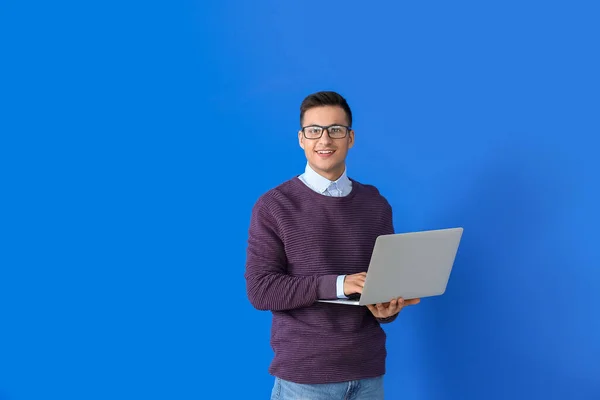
299	242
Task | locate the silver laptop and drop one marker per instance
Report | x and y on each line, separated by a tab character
408	265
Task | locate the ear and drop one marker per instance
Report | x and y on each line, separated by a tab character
351	138
301	139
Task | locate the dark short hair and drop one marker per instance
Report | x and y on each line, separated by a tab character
325	98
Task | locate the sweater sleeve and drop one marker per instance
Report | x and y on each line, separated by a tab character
268	285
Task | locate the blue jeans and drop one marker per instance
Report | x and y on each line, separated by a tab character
364	389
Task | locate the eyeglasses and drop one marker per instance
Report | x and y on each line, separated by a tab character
334	131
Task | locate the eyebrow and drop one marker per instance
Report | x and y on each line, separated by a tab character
335	123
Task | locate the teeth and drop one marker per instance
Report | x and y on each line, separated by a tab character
325	152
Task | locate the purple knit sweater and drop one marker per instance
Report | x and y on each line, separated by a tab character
299	242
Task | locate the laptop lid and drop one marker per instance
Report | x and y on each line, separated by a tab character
411	265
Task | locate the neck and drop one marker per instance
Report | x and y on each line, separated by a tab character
332	175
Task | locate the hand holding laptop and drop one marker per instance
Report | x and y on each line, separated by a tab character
386	310
353	284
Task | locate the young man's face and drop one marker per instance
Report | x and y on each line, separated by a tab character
325	155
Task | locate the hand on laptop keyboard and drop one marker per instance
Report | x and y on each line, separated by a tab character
354	283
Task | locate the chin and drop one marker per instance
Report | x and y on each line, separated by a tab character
327	166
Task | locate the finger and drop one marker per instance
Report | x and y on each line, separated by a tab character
391	308
401	302
355	278
357	288
394	307
351	286
412	302
360	279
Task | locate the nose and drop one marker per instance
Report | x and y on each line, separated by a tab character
325	139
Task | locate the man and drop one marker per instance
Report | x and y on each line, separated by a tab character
311	238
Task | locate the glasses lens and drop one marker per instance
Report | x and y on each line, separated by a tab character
337	131
313	131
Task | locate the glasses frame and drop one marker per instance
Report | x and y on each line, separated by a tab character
325	128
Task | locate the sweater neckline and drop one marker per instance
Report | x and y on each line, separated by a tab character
321	197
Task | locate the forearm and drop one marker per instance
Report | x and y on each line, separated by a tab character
278	291
268	284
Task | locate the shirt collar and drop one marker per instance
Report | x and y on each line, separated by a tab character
320	183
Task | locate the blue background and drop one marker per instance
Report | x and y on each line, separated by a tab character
136	136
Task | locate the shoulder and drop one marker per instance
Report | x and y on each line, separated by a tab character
369	190
276	196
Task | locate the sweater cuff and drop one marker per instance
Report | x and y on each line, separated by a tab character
326	287
387	320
